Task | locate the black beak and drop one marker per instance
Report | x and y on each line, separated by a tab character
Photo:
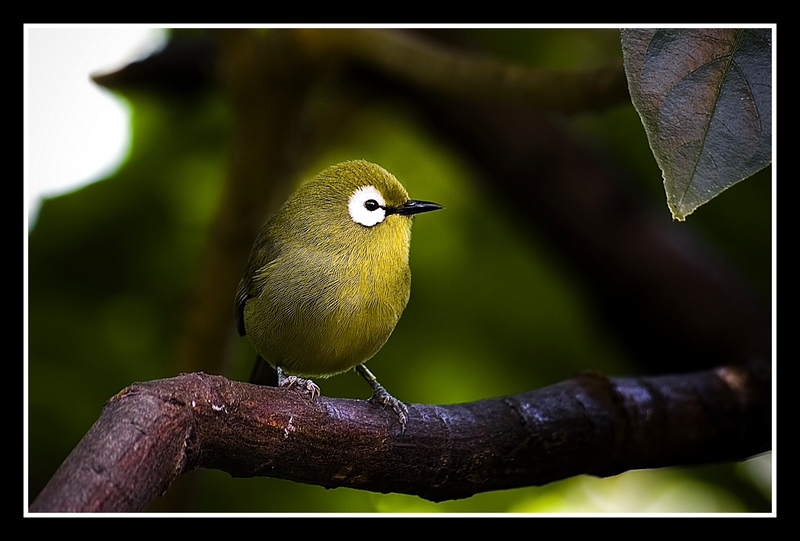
412	206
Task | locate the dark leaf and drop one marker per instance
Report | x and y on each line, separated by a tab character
705	99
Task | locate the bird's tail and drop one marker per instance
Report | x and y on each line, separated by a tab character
263	373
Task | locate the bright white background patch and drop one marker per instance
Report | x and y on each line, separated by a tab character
359	213
75	132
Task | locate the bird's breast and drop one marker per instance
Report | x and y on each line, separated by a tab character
319	314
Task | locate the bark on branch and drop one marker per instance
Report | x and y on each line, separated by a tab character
150	433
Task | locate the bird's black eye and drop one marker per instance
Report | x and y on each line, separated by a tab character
371	204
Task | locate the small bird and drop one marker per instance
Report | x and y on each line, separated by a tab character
328	278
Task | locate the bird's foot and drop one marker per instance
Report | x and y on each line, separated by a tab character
382	396
306	385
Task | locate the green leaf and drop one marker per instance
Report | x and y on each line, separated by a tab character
705	99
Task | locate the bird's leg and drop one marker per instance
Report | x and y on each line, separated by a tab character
293	381
382	396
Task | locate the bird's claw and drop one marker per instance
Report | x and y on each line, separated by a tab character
385	399
381	396
306	385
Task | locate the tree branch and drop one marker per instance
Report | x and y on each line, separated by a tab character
461	74
150	433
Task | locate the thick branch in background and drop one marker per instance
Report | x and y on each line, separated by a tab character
152	432
462	74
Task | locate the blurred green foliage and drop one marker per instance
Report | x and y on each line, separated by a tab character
492	312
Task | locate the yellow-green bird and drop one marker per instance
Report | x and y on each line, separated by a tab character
328	277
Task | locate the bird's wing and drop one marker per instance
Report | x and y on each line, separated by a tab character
238	310
251	285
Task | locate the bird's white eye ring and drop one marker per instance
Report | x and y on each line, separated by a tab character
366	206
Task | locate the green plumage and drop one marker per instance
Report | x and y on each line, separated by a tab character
321	292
